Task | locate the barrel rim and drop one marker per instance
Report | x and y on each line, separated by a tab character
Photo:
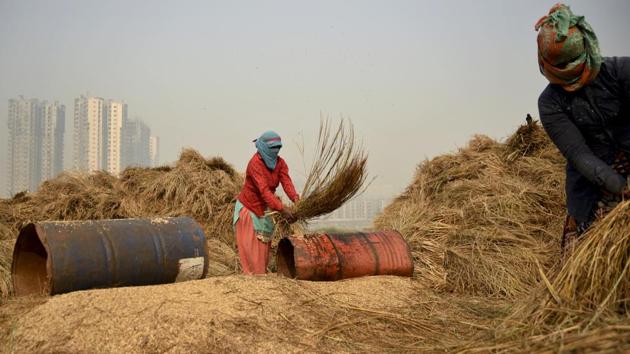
31	232
285	258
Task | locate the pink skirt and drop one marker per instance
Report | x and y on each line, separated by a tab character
253	253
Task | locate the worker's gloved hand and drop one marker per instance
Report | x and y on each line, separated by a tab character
608	202
625	193
287	214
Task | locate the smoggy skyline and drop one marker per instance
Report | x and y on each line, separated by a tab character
417	78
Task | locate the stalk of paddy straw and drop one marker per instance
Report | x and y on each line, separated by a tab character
338	172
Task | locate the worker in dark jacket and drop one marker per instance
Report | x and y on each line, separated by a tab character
585	110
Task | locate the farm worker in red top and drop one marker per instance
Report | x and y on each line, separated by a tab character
253	229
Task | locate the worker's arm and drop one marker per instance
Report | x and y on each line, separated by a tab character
255	170
623	74
287	183
567	137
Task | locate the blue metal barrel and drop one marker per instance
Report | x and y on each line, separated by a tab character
62	256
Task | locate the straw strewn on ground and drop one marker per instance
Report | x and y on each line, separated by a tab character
250	314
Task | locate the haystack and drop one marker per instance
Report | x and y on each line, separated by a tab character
479	221
74	196
197	187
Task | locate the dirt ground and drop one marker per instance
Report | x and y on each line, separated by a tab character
241	314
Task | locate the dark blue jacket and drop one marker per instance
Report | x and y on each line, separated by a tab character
589	126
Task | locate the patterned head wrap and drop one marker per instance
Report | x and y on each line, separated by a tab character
568	51
268	146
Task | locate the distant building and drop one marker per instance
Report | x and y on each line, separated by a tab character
53	129
24	125
116	120
90	134
357	213
154	151
36	131
358	209
105	139
138	143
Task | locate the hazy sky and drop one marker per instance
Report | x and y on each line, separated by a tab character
417	78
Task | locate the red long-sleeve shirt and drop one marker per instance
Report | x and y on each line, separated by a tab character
261	183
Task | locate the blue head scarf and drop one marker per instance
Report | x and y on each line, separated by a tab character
268	145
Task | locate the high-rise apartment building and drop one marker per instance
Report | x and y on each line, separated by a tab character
53	129
99	128
359	209
35	143
80	134
105	139
138	140
116	119
24	125
154	151
90	134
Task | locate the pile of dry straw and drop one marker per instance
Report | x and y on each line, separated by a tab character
481	219
484	226
487	221
201	188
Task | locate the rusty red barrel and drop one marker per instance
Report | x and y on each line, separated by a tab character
62	256
347	255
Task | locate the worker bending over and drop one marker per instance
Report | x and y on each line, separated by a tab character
585	110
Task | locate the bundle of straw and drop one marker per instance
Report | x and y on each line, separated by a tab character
595	279
584	305
338	172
